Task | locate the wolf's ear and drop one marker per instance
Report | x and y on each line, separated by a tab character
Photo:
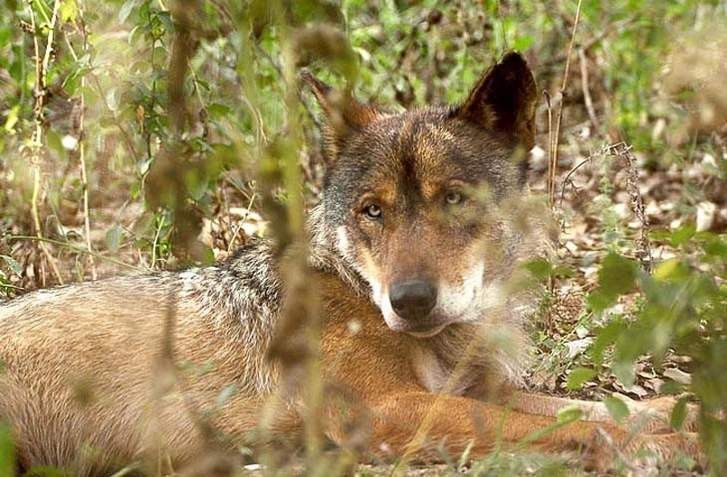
504	100
343	115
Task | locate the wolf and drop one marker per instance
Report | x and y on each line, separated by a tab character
414	250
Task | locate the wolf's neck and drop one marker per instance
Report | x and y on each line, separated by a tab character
323	255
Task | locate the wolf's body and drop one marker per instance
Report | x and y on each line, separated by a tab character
82	370
85	384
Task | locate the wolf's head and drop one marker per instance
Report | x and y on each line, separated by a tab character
413	201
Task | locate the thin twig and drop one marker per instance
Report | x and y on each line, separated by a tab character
567	178
152	100
586	90
559	117
551	169
168	374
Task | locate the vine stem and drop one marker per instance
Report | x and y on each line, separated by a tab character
41	68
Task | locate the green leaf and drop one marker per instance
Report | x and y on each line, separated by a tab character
606	336
563	271
12	119
12	264
660	235
113	238
135	190
55	142
539	268
68	11
578	376
217	110
672	270
522	43
616	277
617	408
624	371
671	387
5	34
679	414
568	414
682	235
7	452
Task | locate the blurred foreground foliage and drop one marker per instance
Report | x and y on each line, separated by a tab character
682	309
142	156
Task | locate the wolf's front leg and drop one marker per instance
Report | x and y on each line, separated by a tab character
418	424
650	416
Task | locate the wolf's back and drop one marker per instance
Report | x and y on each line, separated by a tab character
80	362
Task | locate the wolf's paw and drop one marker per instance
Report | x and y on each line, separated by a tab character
649	450
654	416
612	448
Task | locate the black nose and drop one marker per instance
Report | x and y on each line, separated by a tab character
413	299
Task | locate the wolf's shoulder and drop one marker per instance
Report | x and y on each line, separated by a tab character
247	283
255	267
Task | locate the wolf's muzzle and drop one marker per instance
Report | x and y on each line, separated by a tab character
413	299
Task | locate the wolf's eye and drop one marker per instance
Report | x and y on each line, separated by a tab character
453	198
372	211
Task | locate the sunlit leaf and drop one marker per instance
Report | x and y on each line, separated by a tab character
12	119
671	270
68	11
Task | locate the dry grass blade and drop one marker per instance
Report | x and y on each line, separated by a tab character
78	120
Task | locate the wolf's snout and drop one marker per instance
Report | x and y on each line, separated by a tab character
412	299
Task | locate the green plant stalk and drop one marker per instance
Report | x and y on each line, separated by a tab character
41	70
291	176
